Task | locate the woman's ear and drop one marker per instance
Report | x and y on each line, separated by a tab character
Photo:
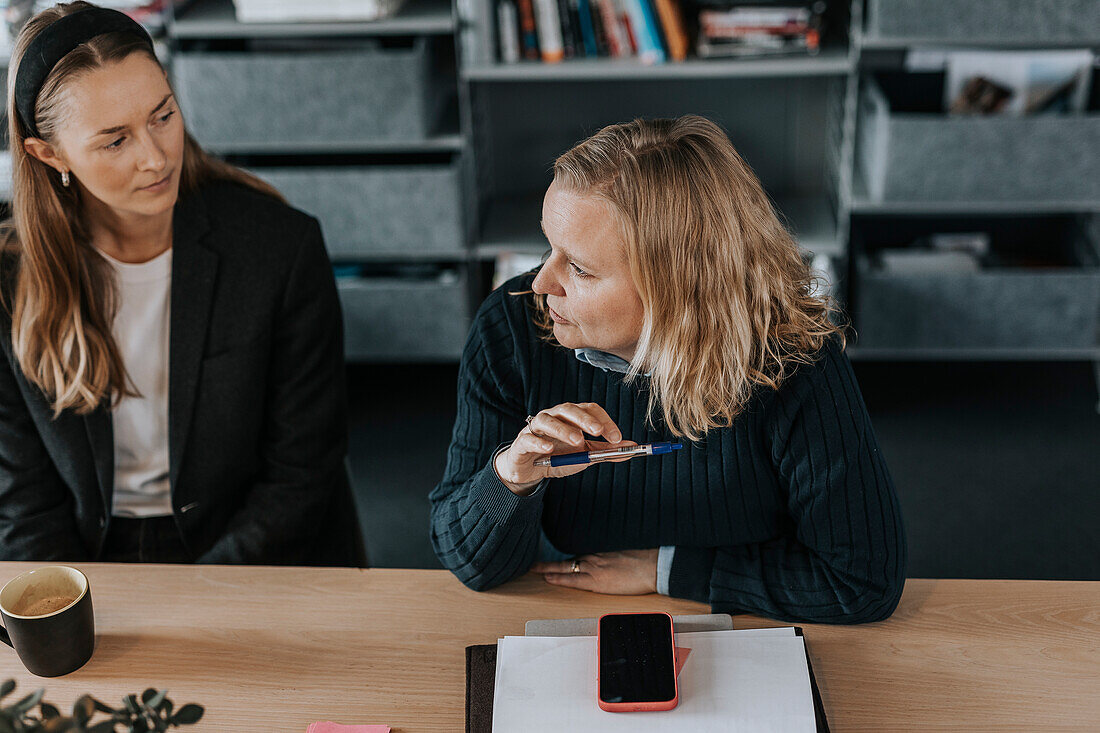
43	151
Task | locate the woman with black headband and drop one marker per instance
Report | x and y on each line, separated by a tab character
172	385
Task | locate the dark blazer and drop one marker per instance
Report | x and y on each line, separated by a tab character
257	405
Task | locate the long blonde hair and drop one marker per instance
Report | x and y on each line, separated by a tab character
63	300
729	303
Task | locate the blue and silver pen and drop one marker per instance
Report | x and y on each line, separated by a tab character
598	456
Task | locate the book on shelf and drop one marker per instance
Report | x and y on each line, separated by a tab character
565	19
645	31
548	25
611	18
588	29
655	31
737	29
602	49
528	37
672	23
508	31
554	30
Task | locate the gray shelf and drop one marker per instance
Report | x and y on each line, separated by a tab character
512	225
878	43
863	204
217	19
445	143
871	353
828	63
1001	23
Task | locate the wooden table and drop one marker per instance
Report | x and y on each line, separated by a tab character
273	649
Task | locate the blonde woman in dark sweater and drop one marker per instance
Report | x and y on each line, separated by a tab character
673	305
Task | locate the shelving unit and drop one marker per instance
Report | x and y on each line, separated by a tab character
799	121
367	170
796	120
890	30
525	114
828	63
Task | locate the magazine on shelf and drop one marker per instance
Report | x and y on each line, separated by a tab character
1013	83
740	30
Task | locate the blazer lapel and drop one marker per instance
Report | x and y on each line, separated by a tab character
194	269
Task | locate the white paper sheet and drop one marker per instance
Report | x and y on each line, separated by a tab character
734	680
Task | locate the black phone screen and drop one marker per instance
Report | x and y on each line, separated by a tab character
636	658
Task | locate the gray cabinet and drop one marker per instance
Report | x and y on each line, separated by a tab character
917	170
999	308
391	318
355	123
236	100
395	212
930	157
1020	22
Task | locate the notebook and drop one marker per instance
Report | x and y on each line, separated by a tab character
481	671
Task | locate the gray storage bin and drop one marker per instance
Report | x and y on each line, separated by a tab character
378	211
923	156
404	319
1003	308
1034	22
339	96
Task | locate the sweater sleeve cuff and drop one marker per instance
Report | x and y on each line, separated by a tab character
500	503
689	575
664	568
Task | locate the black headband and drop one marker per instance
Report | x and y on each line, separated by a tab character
55	42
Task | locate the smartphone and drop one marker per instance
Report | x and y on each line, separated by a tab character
636	666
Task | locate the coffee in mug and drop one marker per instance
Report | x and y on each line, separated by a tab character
48	619
42	606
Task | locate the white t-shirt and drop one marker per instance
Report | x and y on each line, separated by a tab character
141	423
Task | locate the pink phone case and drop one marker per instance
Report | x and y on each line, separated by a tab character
634	707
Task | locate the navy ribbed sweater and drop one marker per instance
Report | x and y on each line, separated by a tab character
789	513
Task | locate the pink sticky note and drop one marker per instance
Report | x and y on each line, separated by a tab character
682	654
327	727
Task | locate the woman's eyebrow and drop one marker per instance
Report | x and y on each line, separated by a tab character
568	255
120	128
162	103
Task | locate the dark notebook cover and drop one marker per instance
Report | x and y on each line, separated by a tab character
481	674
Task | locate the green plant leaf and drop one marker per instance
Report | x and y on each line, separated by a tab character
49	711
102	707
154	701
130	701
139	726
166	707
6	725
188	715
7	687
148	695
29	701
83	709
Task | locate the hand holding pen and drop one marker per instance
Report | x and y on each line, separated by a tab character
558	429
609	454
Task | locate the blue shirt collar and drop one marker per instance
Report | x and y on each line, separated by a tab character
602	360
